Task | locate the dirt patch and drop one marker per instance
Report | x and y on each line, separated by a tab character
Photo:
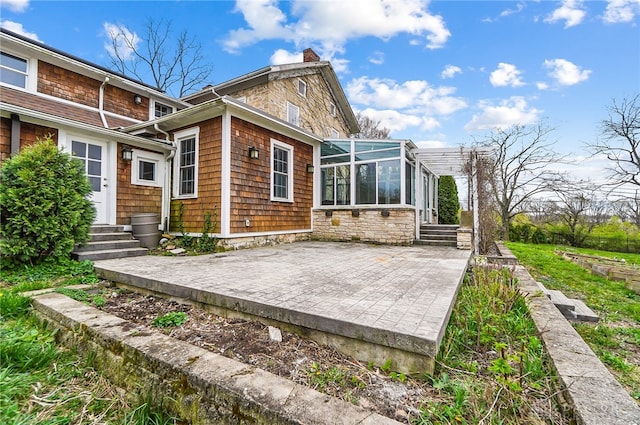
298	359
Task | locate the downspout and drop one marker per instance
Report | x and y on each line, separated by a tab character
166	191
101	102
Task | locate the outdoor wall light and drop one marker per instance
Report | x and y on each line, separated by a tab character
384	213
137	99
253	152
127	153
310	168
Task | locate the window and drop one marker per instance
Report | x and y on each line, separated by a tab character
336	185
334	133
389	182
281	171
302	88
147	168
186	164
293	114
160	110
410	183
13	70
242	99
332	109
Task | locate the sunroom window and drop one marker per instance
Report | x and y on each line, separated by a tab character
355	172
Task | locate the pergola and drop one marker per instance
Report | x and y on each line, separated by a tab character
452	162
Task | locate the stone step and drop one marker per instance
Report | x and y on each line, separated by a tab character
108	244
439	236
560	300
120	236
584	313
439	227
106	228
109	254
433	242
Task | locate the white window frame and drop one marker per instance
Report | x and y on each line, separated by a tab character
302	87
178	137
242	99
152	111
332	109
335	134
156	158
30	74
295	120
275	144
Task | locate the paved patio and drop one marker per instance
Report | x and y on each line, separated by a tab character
373	302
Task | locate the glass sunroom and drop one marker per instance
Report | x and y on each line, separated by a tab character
377	178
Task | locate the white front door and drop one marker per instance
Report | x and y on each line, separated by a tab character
94	157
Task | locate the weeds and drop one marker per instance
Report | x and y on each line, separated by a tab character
169	320
83	296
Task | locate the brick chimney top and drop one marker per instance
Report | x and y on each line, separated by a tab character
308	55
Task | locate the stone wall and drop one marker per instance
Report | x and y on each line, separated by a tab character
366	225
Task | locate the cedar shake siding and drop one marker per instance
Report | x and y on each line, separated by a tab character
132	198
209	181
64	84
251	183
29	134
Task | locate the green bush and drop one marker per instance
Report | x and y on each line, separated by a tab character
448	203
46	209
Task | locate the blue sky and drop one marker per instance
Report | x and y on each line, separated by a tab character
438	72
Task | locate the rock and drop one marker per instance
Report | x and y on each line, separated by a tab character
170	247
178	251
275	334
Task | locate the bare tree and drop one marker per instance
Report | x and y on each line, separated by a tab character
628	209
370	128
578	210
520	170
176	64
620	141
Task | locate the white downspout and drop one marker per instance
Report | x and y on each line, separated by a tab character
101	102
166	191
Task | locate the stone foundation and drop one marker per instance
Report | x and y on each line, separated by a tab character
395	226
464	238
262	240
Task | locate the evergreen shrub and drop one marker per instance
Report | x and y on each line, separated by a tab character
46	209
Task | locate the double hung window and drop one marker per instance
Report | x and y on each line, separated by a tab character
186	164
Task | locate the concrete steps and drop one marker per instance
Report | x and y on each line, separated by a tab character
108	242
570	308
438	235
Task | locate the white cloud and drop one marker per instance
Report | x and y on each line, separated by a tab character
507	12
120	33
413	94
508	112
566	73
377	58
620	11
15	5
19	29
398	121
331	24
571	12
506	75
282	56
450	71
541	85
433	144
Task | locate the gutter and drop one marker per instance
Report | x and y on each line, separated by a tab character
166	192
101	102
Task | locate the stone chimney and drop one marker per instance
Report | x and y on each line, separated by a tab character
308	55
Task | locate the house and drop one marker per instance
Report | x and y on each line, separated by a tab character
266	155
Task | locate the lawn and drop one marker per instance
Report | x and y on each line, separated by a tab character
45	383
616	338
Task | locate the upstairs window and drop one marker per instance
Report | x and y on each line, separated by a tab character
13	70
302	88
332	109
160	110
293	114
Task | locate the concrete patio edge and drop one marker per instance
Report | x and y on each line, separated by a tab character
190	382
